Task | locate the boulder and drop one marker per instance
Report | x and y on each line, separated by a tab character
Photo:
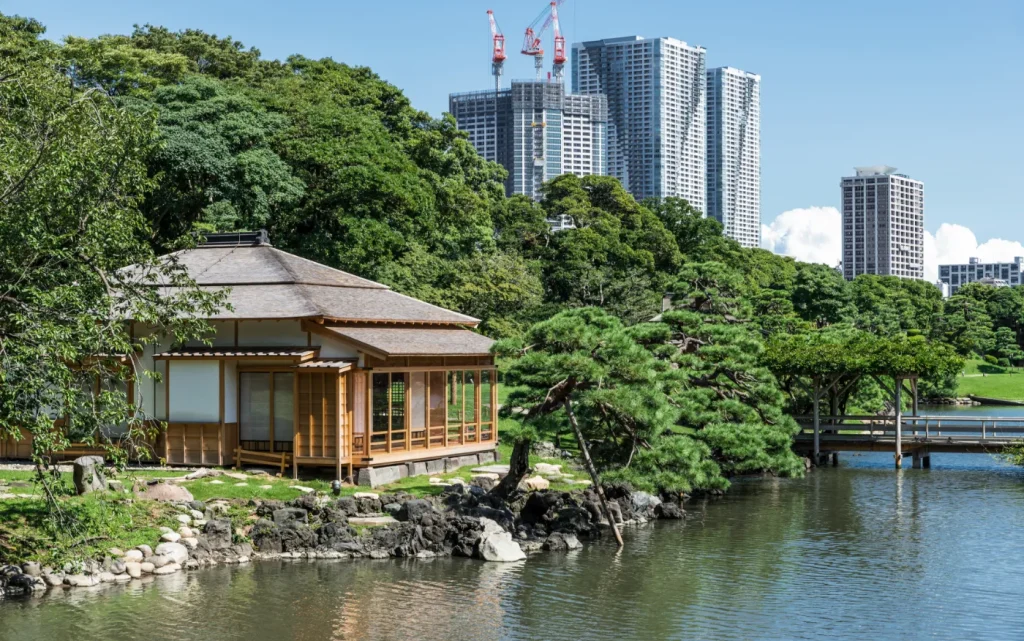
134	556
287	515
165	492
158	561
107	577
118	567
544	449
169	537
31	568
184	519
266	536
546	469
487	457
296	536
115	486
82	580
499	547
487	481
186	532
218	534
561	542
644	504
414	510
133	569
535	483
88	474
170	568
147	567
53	580
146	551
176	552
668	511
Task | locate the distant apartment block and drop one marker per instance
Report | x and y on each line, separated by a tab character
535	132
656	96
997	274
734	153
883	223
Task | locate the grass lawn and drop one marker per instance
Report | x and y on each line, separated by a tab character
1005	386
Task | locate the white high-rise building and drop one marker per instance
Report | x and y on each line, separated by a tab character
656	112
734	153
535	131
883	223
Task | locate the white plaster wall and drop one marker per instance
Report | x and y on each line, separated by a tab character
333	348
195	391
280	333
224	335
231	391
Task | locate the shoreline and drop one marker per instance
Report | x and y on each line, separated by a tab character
463	521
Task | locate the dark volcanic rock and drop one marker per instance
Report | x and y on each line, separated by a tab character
668	511
287	515
218	534
266	536
296	537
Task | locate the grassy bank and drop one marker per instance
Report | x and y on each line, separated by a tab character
111	520
983	379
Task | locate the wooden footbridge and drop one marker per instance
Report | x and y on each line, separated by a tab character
917	436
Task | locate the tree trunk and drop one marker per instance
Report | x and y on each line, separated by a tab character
589	464
518	468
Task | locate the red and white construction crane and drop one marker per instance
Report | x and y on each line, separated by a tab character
498	51
558	67
532	41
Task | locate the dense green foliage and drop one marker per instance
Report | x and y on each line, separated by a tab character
72	178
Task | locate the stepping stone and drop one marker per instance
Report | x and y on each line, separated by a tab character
304	490
371	521
266	487
216	482
500	470
366	495
241	485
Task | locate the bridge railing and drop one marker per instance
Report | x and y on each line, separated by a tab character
1003	428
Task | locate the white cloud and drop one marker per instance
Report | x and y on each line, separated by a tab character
814	235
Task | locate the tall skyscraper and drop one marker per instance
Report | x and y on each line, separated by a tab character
656	112
535	131
734	153
883	223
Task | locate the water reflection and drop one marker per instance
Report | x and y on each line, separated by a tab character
831	556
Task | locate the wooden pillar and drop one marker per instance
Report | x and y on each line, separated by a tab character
916	464
926	460
817	420
913	389
898	400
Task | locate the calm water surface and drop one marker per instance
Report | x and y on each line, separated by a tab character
857	552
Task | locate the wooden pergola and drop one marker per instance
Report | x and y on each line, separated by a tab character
832	363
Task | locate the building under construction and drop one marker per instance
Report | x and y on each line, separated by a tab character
534	129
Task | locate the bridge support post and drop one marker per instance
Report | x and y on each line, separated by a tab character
817	421
926	460
835	459
917	460
899	421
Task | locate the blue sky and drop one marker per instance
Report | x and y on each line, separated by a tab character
934	88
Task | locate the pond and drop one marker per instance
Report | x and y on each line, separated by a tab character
855	552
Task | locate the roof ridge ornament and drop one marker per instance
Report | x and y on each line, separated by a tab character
236	239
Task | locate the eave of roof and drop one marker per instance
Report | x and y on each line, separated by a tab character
414	341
